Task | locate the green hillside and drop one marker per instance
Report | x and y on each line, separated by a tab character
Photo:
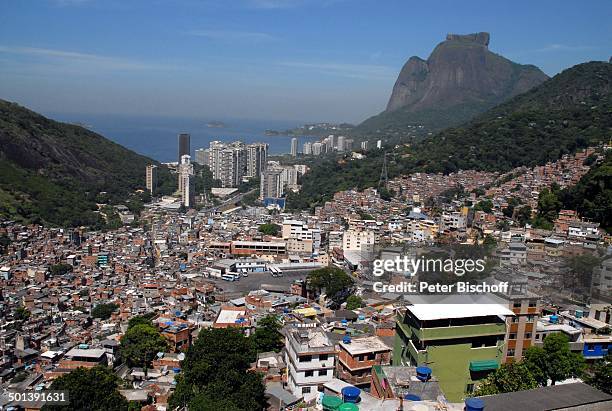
53	172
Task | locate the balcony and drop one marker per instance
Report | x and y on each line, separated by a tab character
463	331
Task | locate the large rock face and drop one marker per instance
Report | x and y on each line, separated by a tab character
461	70
461	79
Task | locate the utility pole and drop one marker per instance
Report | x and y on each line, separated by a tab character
384	174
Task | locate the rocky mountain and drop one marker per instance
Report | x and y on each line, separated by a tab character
54	172
460	79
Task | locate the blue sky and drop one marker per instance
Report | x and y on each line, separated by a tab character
306	60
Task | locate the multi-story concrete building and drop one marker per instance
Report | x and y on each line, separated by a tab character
184	145
521	327
318	148
271	184
310	359
340	144
256	159
202	156
358	240
228	162
294	146
364	145
186	182
357	356
307	150
151	178
461	343
305	239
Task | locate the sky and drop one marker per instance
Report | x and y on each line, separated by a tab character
302	60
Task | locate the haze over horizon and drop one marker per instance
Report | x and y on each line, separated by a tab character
319	60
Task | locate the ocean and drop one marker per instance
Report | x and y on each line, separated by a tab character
156	137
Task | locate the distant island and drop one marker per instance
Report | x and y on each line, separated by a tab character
216	124
315	129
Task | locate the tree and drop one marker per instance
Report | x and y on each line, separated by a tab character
601	375
141	319
60	269
548	208
523	215
22	313
333	280
215	374
267	336
484	205
4	243
554	361
509	377
93	389
353	302
140	343
269	229
104	311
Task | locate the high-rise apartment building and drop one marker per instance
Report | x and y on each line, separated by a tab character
151	178
294	147
256	159
332	142
271	185
184	145
228	162
318	148
348	144
186	182
364	145
307	150
341	140
202	156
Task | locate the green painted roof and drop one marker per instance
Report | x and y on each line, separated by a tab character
347	406
484	365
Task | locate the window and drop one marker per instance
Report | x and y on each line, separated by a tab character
470	388
510	352
305	358
528	335
515	319
323	357
517	304
322	373
533	304
371	356
309	373
512	336
306	390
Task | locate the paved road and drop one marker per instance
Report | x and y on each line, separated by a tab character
233	200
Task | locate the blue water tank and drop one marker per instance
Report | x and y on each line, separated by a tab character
351	394
344	322
423	373
474	404
412	397
361	317
346	339
553	319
